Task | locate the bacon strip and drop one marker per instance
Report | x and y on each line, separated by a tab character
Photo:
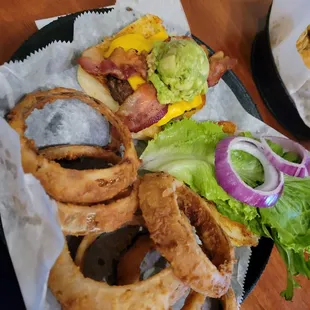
142	109
120	64
130	62
219	64
90	65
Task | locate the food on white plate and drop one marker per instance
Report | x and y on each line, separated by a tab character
262	183
71	185
148	77
170	209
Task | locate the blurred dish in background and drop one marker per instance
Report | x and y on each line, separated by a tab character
274	81
303	46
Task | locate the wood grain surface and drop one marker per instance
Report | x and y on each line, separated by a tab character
228	25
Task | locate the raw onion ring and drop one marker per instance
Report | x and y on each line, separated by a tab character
69	185
104	217
74	291
265	195
296	170
72	152
161	198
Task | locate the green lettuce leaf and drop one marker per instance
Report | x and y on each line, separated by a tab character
292	157
185	149
252	173
183	140
289	224
290	217
278	149
296	264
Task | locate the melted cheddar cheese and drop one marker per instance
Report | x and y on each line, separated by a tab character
178	108
135	81
139	43
136	41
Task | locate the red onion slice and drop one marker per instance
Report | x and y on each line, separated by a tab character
300	170
265	195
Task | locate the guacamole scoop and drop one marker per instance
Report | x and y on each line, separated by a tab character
178	69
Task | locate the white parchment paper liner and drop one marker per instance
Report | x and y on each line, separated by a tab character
288	19
40	241
29	219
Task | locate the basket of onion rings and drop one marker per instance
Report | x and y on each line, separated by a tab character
103	201
165	222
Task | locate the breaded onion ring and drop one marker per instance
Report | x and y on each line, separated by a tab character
86	242
74	291
169	209
72	152
195	301
128	272
104	217
128	269
69	185
229	301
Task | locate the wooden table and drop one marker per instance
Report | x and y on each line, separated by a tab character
228	25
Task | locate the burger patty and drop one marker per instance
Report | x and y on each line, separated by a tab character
119	89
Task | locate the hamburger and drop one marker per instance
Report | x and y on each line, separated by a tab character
147	77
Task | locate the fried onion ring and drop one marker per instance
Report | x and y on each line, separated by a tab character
80	220
130	273
167	206
195	301
69	185
83	246
74	291
72	152
229	301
